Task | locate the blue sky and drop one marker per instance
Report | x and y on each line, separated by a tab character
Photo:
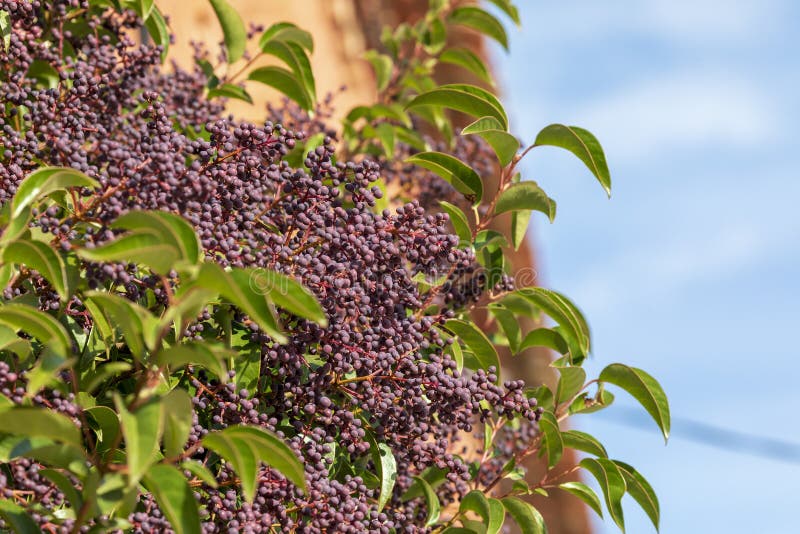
690	271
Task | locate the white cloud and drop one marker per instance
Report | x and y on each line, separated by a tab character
682	110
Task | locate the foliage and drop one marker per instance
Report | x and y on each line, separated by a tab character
210	325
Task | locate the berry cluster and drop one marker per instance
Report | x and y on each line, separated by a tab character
380	370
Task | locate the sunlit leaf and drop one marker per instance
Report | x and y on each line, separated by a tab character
233	29
528	518
175	498
584	493
480	20
468	99
642	387
461	176
581	143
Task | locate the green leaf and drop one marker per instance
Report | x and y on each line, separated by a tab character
134	321
203	354
138	247
39	422
232	28
544	337
503	143
9	341
65	485
285	82
611	483
468	99
510	325
525	196
235	285
584	493
570	383
229	90
528	518
552	443
478	19
178	410
584	404
5	29
451	169
543	396
509	9
477	342
106	425
642	387
641	491
382	65
158	30
15	516
143	8
172	229
142	430
244	446
200	471
581	143
287	32
38	324
386	465
497	516
434	36
386	133
519	226
175	498
44	181
431	500
463	57
563	311
581	441
476	501
289	294
296	59
41	257
459	221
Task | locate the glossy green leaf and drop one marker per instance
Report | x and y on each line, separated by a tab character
431	501
510	325
563	311
229	90
459	221
136	323
581	441
476	501
480	20
468	99
142	430
497	516
461	176
525	196
469	60
504	144
544	337
382	66
519	226
44	181
586	404
287	32
175	498
39	422
385	132
570	383
235	285
294	56
200	471
41	257
5	29
11	342
245	446
528	518
65	485
45	372
581	143
552	443
544	397
477	342
285	82
384	461
434	36
611	483
584	493
172	229
206	355
641	491
139	247
16	518
105	423
507	7
233	29
37	324
288	293
158	30
642	387
178	410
